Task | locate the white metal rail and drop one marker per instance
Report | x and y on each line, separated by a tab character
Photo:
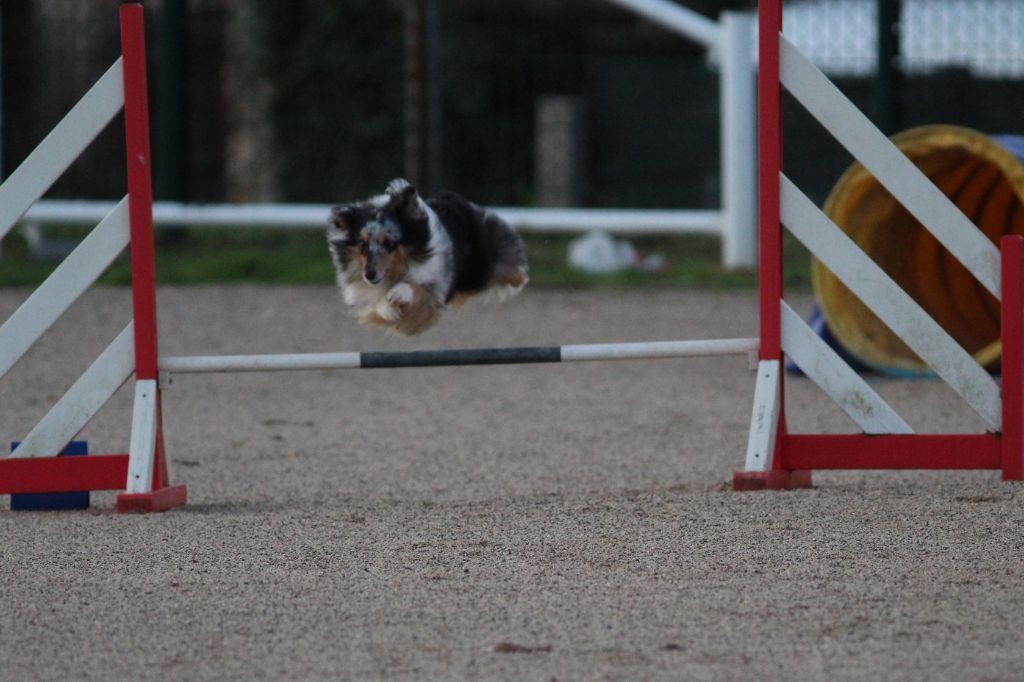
314	216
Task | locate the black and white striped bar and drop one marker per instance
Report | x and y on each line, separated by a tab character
458	357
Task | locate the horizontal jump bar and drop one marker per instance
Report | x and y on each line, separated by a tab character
458	357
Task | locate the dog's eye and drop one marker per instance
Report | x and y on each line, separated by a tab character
364	248
389	245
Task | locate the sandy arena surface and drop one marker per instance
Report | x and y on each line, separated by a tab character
417	524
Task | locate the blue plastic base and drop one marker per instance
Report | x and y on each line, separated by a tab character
54	501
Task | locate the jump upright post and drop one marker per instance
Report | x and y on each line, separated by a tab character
34	466
778	459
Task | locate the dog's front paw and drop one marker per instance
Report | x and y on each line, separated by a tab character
400	294
387	312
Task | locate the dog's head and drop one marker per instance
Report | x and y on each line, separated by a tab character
376	238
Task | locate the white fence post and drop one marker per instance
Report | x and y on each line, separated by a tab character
738	102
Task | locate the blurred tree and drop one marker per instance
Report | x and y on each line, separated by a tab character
335	81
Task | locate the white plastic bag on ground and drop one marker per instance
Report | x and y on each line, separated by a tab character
597	252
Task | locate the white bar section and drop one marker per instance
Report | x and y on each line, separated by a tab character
675	18
83	400
61	147
619	221
891	304
72	277
284	362
738	104
314	216
890	167
142	448
658	349
836	379
764	422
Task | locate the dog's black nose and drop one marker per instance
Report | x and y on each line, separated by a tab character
371	275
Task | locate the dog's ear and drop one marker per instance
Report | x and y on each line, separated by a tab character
399	186
346	217
406	201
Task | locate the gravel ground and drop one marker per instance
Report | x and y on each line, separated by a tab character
530	522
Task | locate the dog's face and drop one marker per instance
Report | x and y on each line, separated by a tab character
375	247
375	239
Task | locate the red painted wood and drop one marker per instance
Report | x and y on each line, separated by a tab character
1012	333
776	479
769	144
157	501
140	208
913	451
140	191
62	474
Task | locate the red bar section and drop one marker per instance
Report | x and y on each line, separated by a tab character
912	451
155	501
1012	247
140	191
769	146
776	479
62	474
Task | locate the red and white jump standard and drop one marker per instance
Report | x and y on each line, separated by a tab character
34	467
777	459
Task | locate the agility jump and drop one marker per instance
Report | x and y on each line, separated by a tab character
775	458
779	459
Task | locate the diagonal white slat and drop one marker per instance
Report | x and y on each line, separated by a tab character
884	297
61	147
836	379
72	277
83	400
890	166
764	421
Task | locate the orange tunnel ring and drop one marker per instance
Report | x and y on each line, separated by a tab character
986	182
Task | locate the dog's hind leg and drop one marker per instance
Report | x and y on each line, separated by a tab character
510	267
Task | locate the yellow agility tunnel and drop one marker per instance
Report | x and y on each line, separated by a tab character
984	176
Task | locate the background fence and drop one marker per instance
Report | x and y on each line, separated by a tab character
302	101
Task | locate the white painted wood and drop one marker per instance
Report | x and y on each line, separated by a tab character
836	379
83	400
658	349
890	167
142	450
61	147
72	277
764	422
884	297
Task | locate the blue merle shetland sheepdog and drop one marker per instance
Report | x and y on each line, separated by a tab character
401	259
